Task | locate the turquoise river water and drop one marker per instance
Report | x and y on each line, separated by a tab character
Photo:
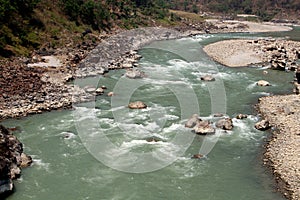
101	150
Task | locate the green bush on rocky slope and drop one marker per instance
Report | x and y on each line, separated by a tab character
26	24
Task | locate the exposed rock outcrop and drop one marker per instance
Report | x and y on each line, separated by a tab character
12	160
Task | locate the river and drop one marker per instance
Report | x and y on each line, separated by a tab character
101	150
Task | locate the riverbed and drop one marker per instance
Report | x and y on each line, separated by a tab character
70	164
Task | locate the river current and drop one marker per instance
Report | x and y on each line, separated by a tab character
102	150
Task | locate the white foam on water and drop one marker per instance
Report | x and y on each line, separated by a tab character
262	93
251	86
245	129
68	135
40	164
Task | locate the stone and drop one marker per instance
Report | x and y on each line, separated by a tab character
208	78
241	116
137	105
110	94
263	83
197	156
203	128
26	160
99	91
194	119
262	125
225	124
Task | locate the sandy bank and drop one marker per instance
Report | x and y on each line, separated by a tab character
278	54
245	26
283	151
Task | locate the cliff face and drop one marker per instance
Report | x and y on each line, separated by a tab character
12	160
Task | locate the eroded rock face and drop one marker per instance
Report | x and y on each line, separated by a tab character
137	105
225	124
12	159
262	125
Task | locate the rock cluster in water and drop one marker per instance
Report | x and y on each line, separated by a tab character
204	127
12	160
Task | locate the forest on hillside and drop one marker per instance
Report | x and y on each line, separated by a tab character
25	24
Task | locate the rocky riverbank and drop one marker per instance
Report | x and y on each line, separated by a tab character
40	83
12	160
275	53
283	150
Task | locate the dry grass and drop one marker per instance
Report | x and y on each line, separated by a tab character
187	15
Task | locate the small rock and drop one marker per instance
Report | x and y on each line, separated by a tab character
208	78
263	83
110	94
218	115
197	156
262	125
134	73
137	105
241	116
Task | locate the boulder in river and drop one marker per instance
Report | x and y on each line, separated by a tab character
192	121
197	156
99	91
263	83
208	78
110	94
204	127
262	125
137	105
225	124
241	116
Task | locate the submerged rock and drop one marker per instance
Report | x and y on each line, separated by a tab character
137	105
262	125
225	124
134	73
208	78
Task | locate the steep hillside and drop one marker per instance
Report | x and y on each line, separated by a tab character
26	25
266	9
